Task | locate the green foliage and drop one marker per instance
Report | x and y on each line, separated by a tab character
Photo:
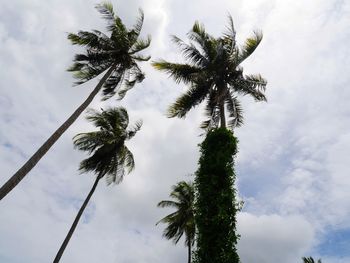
118	49
214	75
181	221
215	207
109	154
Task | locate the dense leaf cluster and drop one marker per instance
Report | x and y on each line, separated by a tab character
108	153
214	75
118	50
215	199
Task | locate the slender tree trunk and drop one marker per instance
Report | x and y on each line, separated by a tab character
24	170
222	116
75	223
189	252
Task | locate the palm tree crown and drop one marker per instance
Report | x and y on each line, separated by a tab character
214	74
119	52
182	220
109	154
310	260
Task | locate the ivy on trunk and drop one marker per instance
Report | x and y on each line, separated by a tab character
215	207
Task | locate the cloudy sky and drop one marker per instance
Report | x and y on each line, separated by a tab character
292	166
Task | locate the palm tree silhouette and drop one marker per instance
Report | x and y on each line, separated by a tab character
182	220
116	54
109	154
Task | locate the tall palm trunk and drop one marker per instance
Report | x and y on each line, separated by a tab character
24	170
222	116
75	223
189	252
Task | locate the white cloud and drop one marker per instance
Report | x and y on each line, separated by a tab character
293	150
273	238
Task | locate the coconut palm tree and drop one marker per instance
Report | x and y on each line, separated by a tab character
213	73
310	260
109	155
182	220
115	54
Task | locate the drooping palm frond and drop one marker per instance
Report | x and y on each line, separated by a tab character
235	111
191	98
253	85
168	203
212	112
249	46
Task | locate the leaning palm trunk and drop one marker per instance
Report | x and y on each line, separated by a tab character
189	252
75	223
25	169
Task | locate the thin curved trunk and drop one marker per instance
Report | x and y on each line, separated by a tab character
75	223
189	252
25	169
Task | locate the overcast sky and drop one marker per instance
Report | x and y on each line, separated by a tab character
292	165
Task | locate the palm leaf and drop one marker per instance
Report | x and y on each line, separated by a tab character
235	111
250	45
106	9
179	72
191	98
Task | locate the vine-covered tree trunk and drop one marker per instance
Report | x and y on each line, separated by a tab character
215	203
35	158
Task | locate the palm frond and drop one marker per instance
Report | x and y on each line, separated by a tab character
235	111
191	98
250	45
113	83
257	81
138	25
190	52
230	32
89	141
95	40
253	85
140	44
134	76
212	112
179	72
168	203
129	160
107	12
133	130
198	33
205	42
